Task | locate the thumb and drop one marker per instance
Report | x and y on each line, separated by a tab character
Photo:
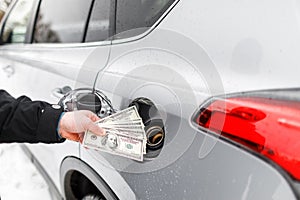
96	129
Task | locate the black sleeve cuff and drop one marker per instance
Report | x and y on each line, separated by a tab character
47	129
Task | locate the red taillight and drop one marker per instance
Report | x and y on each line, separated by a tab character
268	126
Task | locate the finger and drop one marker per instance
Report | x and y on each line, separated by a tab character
70	136
94	118
91	115
74	137
81	136
96	129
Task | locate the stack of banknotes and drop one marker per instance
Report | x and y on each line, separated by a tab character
125	135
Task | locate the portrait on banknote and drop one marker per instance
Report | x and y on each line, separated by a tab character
110	140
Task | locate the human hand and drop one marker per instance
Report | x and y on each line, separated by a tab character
72	125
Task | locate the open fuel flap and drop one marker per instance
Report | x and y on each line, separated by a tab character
87	99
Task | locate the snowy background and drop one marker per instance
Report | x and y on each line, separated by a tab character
19	178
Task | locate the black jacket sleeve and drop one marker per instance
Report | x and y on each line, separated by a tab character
23	120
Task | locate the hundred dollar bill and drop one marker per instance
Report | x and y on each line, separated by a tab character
125	135
127	114
131	133
125	127
138	133
115	143
124	123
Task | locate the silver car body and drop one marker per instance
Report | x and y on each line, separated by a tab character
196	50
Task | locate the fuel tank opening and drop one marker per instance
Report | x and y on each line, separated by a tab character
154	126
155	137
